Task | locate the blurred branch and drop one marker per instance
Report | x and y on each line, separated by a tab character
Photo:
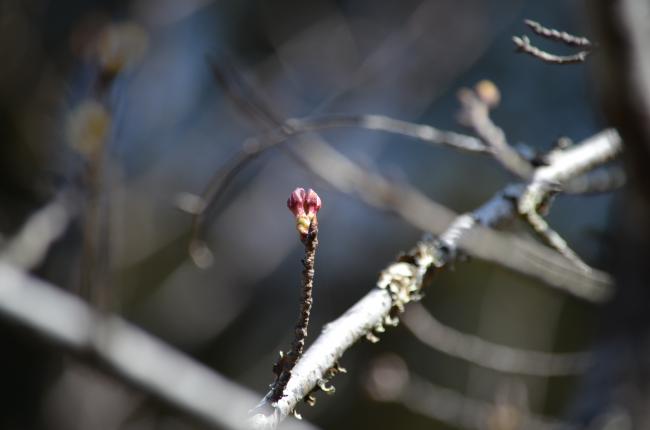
390	380
524	45
421	132
402	281
514	253
558	36
519	255
284	131
602	180
475	113
134	356
30	245
486	354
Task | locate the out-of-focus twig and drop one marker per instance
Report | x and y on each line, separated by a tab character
28	247
115	49
253	147
476	105
390	380
558	36
602	180
487	354
134	356
524	45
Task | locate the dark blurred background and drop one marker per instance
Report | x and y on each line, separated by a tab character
172	127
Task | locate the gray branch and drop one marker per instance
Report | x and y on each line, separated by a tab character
28	247
124	350
487	354
523	45
390	380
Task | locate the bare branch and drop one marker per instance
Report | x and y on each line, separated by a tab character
564	165
558	36
553	239
524	45
390	380
602	180
126	351
476	114
28	247
486	354
421	132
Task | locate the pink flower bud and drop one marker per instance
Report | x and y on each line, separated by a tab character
304	206
296	202
312	203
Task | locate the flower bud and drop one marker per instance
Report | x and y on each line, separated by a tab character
296	202
304	206
312	203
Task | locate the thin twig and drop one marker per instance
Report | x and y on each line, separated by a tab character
390	380
476	114
553	239
558	36
286	364
602	180
524	45
487	354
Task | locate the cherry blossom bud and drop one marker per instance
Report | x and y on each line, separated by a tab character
296	202
312	203
305	206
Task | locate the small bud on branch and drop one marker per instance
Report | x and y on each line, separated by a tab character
304	206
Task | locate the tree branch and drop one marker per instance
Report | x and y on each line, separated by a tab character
390	380
558	36
28	247
524	45
403	280
124	350
487	354
475	113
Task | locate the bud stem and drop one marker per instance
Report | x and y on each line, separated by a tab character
286	363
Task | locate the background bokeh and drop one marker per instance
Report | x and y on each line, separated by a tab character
173	127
